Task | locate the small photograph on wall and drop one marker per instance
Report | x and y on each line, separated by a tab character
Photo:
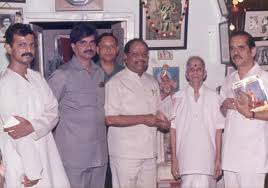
8	16
256	23
262	52
165	55
168	79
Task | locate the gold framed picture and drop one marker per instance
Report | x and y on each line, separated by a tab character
65	5
8	16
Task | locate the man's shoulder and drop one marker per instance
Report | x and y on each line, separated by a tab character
150	78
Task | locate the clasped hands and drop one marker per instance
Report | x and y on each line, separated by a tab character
159	120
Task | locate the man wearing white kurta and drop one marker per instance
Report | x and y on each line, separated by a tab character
196	130
131	103
245	147
30	155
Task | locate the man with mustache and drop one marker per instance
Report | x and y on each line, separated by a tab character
245	146
28	113
131	104
81	133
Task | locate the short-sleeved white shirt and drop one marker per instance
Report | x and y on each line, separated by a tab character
245	143
129	94
196	124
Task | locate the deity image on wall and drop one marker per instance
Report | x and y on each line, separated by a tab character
168	79
164	19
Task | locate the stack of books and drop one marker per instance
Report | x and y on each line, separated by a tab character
254	88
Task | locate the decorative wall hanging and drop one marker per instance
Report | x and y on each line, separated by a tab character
8	16
62	5
163	23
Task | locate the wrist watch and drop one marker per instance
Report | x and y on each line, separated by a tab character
78	2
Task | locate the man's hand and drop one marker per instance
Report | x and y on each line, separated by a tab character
29	183
229	103
24	128
217	169
175	169
244	104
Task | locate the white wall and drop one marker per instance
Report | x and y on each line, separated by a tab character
202	37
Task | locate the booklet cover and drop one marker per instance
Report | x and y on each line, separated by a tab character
254	87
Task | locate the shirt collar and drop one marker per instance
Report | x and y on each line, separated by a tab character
253	71
191	90
78	66
133	74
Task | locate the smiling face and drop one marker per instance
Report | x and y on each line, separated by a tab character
107	49
137	58
22	49
241	54
195	72
85	49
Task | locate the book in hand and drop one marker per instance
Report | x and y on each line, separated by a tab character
254	88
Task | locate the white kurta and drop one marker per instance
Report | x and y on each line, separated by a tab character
196	124
245	143
129	94
34	101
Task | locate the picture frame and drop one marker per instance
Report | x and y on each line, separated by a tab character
9	16
165	55
261	56
223	8
78	5
163	24
224	42
13	1
256	24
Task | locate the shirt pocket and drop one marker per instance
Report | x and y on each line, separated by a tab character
84	98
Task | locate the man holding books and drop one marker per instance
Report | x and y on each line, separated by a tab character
245	148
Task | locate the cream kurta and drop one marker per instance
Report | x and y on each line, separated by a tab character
129	94
34	101
245	143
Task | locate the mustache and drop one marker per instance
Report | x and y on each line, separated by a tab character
91	51
237	56
27	54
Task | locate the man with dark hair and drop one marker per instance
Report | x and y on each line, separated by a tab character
131	104
107	48
28	112
81	133
196	127
245	151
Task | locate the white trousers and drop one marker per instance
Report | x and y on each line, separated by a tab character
133	173
198	181
243	180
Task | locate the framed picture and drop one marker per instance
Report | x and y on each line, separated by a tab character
13	1
256	23
224	42
8	16
163	23
223	8
168	79
165	55
261	52
62	5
